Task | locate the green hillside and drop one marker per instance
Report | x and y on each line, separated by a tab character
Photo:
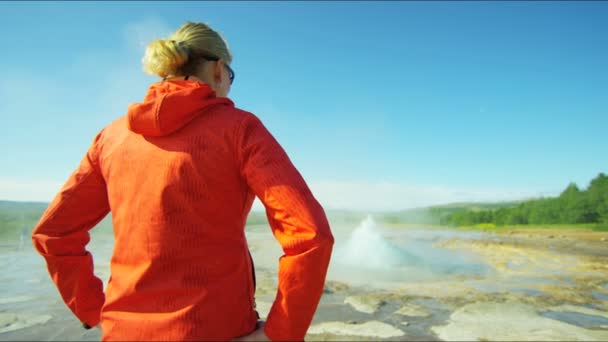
333	216
573	206
18	218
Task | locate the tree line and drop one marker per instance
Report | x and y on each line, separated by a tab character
572	206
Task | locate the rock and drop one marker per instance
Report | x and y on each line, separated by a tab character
372	329
551	236
365	303
579	309
16	299
413	310
604	239
7	319
334	286
405	323
565	294
442	290
510	320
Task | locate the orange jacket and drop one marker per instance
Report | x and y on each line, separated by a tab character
179	174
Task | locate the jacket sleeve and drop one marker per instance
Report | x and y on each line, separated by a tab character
62	234
298	223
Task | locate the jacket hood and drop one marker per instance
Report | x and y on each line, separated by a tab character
171	105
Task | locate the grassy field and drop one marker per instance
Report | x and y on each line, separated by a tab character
18	219
491	227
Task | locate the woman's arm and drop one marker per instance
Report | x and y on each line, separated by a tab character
62	234
298	223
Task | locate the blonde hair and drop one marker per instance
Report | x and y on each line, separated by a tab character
182	52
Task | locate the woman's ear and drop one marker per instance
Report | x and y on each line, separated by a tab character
217	71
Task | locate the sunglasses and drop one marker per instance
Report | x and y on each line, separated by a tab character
215	59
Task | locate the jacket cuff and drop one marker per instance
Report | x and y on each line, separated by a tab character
91	319
275	335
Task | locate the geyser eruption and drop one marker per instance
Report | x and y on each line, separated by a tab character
366	248
368	257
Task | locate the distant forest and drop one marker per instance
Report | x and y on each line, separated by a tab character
573	206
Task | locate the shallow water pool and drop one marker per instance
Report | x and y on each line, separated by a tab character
368	255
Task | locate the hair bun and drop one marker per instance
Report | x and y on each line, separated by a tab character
169	57
164	57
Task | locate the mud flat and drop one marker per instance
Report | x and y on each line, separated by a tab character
543	285
533	285
510	321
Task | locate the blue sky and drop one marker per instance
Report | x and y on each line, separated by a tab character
380	105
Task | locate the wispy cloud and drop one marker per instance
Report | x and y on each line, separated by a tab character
396	196
37	190
139	33
53	120
125	82
363	196
381	196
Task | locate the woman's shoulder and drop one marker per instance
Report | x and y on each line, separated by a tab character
241	114
240	117
117	127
